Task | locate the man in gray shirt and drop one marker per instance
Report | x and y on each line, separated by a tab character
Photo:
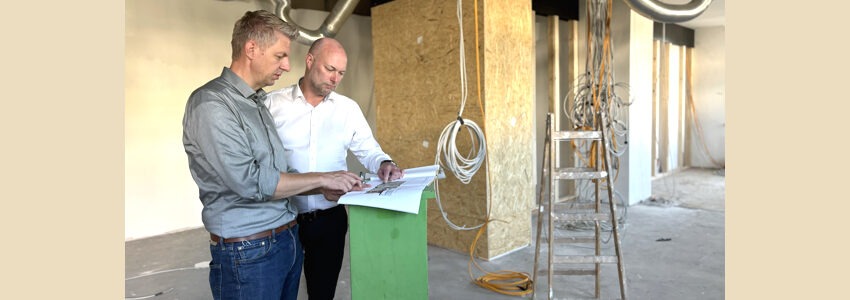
238	162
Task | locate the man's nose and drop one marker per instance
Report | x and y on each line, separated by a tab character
284	65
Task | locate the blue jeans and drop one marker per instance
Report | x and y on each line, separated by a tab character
266	268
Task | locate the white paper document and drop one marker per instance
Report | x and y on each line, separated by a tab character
402	194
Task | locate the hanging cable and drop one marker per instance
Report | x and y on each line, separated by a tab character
593	93
448	156
200	265
157	294
465	167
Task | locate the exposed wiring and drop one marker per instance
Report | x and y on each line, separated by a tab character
451	224
200	265
160	293
503	282
465	167
447	156
596	94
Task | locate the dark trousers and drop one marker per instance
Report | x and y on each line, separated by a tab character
322	234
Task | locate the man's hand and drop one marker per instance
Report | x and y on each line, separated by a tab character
389	171
342	181
313	183
332	195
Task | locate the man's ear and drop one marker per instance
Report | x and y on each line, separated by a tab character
251	49
309	61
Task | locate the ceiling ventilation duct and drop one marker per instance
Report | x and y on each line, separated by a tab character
341	11
668	13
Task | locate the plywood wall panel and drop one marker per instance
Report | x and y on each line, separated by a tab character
508	92
418	93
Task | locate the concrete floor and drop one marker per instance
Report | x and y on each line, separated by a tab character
673	248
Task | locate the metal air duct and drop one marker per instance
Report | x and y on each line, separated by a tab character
669	13
341	11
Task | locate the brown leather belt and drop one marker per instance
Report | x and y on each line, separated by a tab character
255	236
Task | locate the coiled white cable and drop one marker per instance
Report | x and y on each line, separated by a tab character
463	167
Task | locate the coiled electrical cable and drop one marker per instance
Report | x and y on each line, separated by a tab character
464	167
448	156
597	102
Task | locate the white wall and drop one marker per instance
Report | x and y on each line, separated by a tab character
709	72
542	90
638	161
673	111
171	48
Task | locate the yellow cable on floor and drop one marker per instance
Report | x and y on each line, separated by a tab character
503	282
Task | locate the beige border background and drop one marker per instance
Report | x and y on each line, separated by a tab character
62	149
786	202
62	128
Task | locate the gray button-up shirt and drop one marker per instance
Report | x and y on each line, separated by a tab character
235	157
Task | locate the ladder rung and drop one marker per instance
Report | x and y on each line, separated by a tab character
576	135
575	239
579	272
572	240
585	259
568	198
576	206
583	217
578	173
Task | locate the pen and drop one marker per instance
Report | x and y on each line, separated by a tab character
364	177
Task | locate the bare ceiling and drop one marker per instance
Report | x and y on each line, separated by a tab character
715	15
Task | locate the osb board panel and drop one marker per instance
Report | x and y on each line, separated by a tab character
509	57
418	93
440	234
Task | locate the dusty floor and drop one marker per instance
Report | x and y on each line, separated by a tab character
673	248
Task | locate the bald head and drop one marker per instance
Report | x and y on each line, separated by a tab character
325	66
325	43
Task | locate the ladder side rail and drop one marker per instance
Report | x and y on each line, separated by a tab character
612	204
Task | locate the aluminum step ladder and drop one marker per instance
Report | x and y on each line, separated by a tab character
562	211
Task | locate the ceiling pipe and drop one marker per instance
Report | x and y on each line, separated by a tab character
669	13
341	11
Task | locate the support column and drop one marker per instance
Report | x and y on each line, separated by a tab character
418	93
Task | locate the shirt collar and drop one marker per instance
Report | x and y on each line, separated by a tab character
242	87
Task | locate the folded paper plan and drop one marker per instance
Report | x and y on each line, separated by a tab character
401	194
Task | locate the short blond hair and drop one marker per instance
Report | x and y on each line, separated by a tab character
260	26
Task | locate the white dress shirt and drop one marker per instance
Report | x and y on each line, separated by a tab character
315	139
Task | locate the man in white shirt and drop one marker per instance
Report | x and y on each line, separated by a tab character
317	126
